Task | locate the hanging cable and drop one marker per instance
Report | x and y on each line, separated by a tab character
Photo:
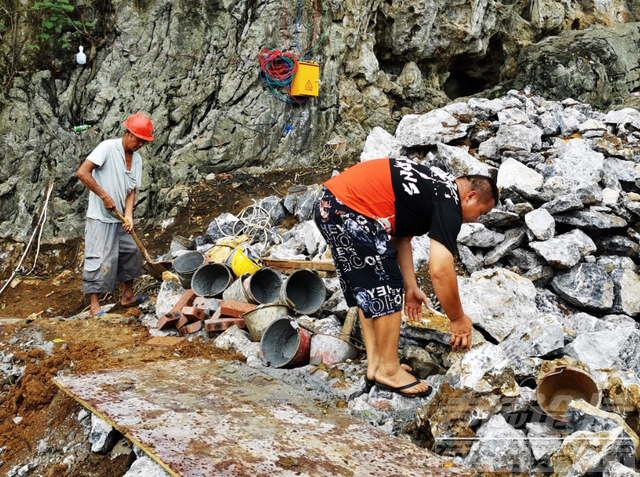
314	44
315	21
43	219
324	32
38	226
278	68
284	25
295	30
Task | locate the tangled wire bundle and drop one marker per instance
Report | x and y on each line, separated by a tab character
277	69
253	221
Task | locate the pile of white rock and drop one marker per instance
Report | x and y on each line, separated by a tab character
553	280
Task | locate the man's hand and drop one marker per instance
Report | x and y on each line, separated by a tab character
414	298
85	174
461	333
127	225
108	202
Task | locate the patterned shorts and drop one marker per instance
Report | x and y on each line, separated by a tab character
365	258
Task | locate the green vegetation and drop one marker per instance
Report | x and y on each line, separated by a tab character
56	18
36	33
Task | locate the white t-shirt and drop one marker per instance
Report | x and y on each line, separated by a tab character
112	175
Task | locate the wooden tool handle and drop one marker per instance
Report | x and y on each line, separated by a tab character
349	321
143	250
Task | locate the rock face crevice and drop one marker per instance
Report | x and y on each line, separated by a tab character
192	66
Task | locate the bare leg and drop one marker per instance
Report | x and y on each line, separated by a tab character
127	293
95	304
386	335
370	346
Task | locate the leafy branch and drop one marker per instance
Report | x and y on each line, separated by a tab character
56	18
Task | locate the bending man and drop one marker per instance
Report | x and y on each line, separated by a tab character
368	215
111	173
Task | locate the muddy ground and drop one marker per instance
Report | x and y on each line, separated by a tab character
36	309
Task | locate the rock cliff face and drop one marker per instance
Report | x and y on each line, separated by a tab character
598	66
192	66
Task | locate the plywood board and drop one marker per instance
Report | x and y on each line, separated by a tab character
200	418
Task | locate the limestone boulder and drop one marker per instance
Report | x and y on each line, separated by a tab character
498	300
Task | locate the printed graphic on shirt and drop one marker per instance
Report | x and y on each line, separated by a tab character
449	183
408	179
426	200
411	174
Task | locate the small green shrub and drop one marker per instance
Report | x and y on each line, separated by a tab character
55	19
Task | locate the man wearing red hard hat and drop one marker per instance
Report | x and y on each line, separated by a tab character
111	173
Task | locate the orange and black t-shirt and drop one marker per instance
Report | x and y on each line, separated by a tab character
406	198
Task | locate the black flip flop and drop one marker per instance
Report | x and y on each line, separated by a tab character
368	384
399	389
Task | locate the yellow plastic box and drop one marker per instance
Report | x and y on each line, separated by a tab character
306	81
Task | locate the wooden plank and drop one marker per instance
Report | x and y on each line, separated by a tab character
289	271
298	264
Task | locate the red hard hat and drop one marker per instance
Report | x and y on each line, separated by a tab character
140	126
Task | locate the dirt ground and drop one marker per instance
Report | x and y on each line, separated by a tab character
36	309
